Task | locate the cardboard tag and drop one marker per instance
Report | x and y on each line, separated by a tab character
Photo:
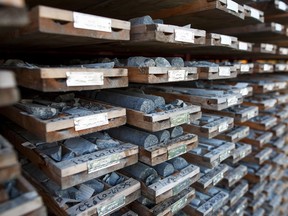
178	205
84	78
111	206
177	75
282	5
224	71
243	46
183	35
102	163
91	22
269	47
278	27
179	119
225	40
223	127
244	91
244	68
177	151
90	121
231	5
232	101
254	13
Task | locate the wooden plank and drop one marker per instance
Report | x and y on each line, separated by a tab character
263	122
234	175
215	73
238	191
258	175
234	135
259	157
258	139
240	152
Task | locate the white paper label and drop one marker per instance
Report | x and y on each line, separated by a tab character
217	178
243	46
224	71
282	6
267	67
281	67
90	121
223	127
91	22
241	134
232	101
226	40
281	85
255	13
184	35
96	165
177	75
278	27
269	47
283	51
244	68
250	114
84	78
244	91
269	87
231	5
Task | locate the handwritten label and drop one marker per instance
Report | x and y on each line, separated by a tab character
225	40
244	67
181	186
231	5
217	178
177	151
224	71
244	91
243	45
232	101
269	47
103	163
177	75
91	22
84	78
222	127
90	121
179	119
111	206
254	13
178	205
278	27
282	5
183	35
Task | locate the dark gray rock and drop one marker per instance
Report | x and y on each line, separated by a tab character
164	169
176	132
161	62
176	61
39	111
145	20
79	146
178	163
140	61
163	136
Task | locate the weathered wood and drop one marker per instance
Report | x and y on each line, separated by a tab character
240	152
238	191
215	73
238	208
64	127
260	174
259	157
233	175
262	122
258	138
234	135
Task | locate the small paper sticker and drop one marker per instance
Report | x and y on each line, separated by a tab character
90	121
282	5
226	40
243	45
269	87
84	78
231	5
178	205
232	101
111	206
267	67
179	119
222	127
181	186
250	114
278	27
283	51
269	47
244	67
177	151
224	71
280	67
244	91
281	85
183	35
91	22
255	13
242	154
96	165
177	75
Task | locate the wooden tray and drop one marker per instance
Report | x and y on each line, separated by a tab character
238	191
169	186
215	73
263	122
208	99
74	171
25	204
260	175
166	151
245	46
241	151
67	127
209	206
218	152
234	135
262	104
259	157
209	126
256	204
239	207
233	175
8	88
9	167
71	79
255	189
108	201
162	74
263	67
244	68
281	67
265	48
260	139
278	130
52	27
239	113
168	207
213	39
211	178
